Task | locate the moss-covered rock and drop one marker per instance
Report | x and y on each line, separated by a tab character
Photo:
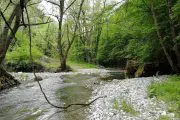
135	69
131	68
139	71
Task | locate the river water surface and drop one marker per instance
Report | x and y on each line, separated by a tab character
26	102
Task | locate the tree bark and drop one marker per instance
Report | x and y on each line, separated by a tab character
63	50
173	34
171	63
63	64
6	37
59	41
6	79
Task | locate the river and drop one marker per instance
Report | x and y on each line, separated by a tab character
26	102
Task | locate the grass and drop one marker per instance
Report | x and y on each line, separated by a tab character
169	92
81	65
128	108
162	117
53	64
116	105
50	64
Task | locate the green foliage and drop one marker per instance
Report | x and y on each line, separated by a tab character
44	38
21	52
168	91
128	35
19	56
107	35
128	108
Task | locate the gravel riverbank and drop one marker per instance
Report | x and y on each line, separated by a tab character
134	92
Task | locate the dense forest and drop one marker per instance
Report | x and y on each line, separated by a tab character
105	33
141	37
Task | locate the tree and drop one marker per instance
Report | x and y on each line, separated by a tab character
65	45
6	37
173	33
168	56
94	16
16	19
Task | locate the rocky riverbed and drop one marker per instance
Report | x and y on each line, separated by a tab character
133	92
26	102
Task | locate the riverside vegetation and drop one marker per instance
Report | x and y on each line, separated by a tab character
136	38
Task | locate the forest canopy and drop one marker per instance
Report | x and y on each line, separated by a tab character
103	32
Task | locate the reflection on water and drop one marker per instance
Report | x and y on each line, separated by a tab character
113	75
74	93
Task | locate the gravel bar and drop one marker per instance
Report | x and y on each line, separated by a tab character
134	92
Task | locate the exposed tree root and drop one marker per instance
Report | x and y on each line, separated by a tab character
7	80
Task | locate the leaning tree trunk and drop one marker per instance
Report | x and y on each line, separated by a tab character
173	34
169	58
6	37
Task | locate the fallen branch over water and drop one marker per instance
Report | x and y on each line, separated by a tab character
66	107
38	78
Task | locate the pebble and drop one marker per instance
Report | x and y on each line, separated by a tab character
134	92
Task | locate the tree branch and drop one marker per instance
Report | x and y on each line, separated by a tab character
35	24
33	4
56	16
10	1
53	3
8	24
69	6
66	107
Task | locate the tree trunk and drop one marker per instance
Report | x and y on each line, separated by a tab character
174	68
63	64
97	40
176	50
64	51
173	34
6	37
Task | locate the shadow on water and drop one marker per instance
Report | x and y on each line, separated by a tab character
113	75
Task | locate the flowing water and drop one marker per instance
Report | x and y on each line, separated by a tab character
26	102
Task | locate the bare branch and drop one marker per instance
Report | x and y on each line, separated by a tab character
7	24
69	5
53	3
66	107
56	16
76	26
35	24
7	6
68	34
33	4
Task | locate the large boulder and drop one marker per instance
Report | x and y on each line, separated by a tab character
135	69
131	68
153	68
